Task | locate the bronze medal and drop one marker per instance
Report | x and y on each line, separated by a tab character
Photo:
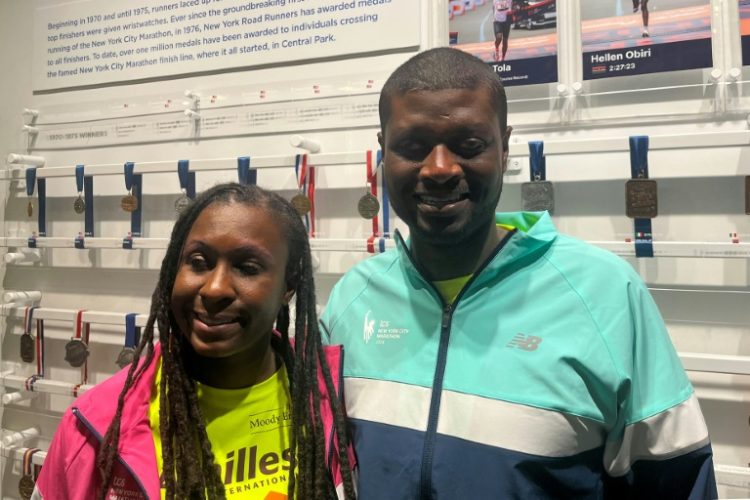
79	205
76	352
26	487
538	196
125	357
181	204
747	194
27	348
641	199
301	204
368	206
30	209
129	203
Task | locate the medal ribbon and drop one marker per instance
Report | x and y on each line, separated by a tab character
30	180
537	163
131	332
42	212
245	174
28	317
79	178
27	462
82	333
129	170
183	173
644	246
40	347
306	184
372	181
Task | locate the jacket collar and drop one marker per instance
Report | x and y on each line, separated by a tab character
534	235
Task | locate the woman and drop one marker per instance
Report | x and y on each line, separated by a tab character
221	406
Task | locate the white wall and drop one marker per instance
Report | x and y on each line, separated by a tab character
704	300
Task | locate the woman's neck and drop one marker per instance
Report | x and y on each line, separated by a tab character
243	369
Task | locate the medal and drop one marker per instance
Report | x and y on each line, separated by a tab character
181	203
641	199
125	357
79	205
76	352
30	182
129	202
301	204
26	483
368	206
132	335
184	175
27	348
538	196
27	341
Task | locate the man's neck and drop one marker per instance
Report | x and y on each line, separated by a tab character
444	262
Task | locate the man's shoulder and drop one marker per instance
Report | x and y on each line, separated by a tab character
372	268
573	256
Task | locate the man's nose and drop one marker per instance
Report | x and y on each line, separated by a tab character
440	166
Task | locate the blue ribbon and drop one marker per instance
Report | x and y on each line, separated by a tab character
79	178
246	175
131	332
537	161
183	171
639	156
386	207
30	180
129	169
639	170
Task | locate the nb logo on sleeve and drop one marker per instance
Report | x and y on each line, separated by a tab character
525	342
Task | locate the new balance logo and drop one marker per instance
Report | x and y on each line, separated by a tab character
525	342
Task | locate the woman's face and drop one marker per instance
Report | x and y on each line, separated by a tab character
230	283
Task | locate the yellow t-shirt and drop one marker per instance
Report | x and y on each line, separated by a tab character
450	289
249	430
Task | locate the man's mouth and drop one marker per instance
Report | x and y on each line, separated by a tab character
440	201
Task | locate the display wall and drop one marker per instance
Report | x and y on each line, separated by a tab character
320	100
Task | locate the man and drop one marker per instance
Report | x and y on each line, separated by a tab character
501	26
643	4
489	356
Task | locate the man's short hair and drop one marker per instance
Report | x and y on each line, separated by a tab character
443	69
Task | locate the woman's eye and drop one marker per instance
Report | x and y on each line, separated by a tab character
249	269
197	262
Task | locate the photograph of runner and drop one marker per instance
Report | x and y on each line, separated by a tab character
518	37
633	37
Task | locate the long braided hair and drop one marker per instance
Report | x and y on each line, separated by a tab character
190	470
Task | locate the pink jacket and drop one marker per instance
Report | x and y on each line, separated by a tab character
69	470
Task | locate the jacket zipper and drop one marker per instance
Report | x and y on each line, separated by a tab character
99	438
428	450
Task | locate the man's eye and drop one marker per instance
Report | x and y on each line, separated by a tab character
471	147
413	150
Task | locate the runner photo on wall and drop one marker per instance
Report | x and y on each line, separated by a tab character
518	38
635	37
745	31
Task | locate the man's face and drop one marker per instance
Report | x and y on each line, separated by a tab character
444	157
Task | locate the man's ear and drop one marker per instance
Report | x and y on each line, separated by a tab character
506	140
381	141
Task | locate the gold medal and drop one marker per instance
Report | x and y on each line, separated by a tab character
301	204
368	206
30	209
79	205
125	357
27	482
129	203
641	199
